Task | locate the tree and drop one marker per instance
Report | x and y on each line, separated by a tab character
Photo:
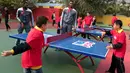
101	7
122	8
96	7
14	4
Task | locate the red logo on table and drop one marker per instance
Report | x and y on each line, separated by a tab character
87	44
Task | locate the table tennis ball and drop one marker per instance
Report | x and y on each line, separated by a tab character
98	36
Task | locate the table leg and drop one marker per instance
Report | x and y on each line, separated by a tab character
82	59
77	34
85	58
101	39
75	60
46	49
91	60
78	56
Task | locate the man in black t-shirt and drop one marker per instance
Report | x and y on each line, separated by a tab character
7	17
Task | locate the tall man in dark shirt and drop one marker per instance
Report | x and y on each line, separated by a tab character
7	17
68	18
25	17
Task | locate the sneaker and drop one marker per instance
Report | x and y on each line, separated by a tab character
109	71
110	42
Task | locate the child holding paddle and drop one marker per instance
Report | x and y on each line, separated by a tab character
119	47
79	20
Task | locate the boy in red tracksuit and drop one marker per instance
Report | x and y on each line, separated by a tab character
119	47
114	18
83	26
79	20
88	20
58	25
32	49
88	23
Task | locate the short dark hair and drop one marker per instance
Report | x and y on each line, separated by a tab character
25	7
71	1
41	20
119	22
114	14
89	12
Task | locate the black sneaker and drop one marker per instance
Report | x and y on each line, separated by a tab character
109	72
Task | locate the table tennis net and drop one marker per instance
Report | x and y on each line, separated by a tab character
59	37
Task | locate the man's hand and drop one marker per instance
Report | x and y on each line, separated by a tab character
6	53
31	26
103	34
60	27
74	29
109	47
90	26
22	25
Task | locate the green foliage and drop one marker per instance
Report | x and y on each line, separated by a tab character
101	7
96	7
13	4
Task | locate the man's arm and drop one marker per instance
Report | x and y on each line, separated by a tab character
21	48
75	24
91	22
62	16
17	49
17	15
117	46
121	41
31	17
106	33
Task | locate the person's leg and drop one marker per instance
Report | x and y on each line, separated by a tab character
37	71
120	65
113	65
6	24
27	70
83	35
20	30
64	28
58	29
8	27
88	36
69	28
86	26
27	28
53	22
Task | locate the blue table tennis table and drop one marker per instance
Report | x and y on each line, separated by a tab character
72	44
24	36
94	31
102	28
